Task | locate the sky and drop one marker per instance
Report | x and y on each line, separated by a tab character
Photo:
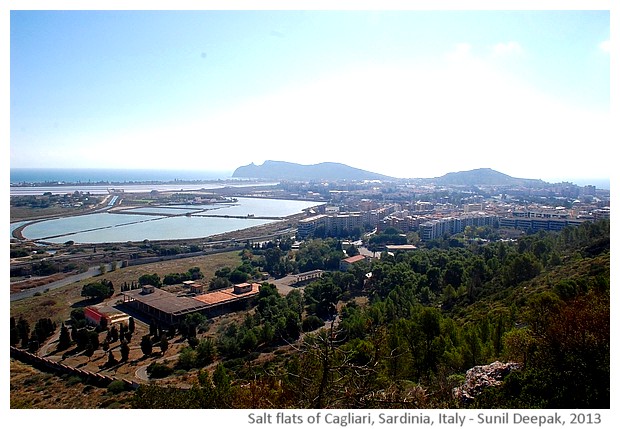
406	93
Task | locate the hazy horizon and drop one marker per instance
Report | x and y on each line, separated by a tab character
42	174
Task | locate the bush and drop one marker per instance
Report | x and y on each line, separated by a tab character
116	386
311	323
159	370
73	380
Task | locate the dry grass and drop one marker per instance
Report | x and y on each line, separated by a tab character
34	389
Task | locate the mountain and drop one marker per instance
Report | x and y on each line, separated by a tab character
281	170
482	176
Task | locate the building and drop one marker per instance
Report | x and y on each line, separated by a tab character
160	305
400	247
104	315
196	288
347	263
307	227
437	228
307	276
538	224
170	309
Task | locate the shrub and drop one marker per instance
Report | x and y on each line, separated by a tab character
311	323
116	386
159	370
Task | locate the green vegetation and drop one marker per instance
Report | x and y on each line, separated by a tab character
398	332
98	290
430	315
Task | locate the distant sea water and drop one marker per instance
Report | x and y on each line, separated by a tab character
98	175
599	183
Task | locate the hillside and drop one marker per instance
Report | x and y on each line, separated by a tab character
406	337
281	170
483	176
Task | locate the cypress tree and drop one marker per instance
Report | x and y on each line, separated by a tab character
64	339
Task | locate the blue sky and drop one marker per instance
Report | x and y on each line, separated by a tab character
408	93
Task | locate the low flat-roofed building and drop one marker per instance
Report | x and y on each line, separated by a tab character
196	288
241	291
163	306
170	308
96	313
400	247
346	263
308	275
228	299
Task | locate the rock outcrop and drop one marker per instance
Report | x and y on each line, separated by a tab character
480	377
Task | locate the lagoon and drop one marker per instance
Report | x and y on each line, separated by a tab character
116	227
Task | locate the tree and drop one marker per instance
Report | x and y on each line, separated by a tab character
64	339
163	343
187	358
523	267
352	251
14	332
146	345
238	276
113	334
124	351
219	283
89	351
222	387
111	359
150	279
195	274
24	331
205	352
98	290
34	343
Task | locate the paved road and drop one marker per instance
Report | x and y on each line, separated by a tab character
91	272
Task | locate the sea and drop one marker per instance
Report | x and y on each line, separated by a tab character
112	176
106	175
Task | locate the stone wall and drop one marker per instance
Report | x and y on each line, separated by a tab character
48	365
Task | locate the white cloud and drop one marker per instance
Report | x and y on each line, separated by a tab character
508	48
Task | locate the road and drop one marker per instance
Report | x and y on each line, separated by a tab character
91	272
